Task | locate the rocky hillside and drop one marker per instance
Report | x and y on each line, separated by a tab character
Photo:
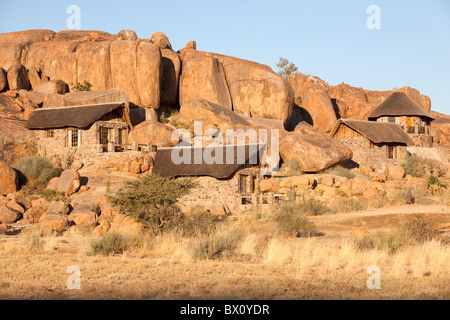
321	104
41	68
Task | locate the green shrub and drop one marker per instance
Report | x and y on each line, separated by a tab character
414	166
35	171
151	199
52	195
291	220
339	170
84	86
114	243
222	243
433	180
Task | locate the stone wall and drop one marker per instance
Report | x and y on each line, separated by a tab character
215	194
419	129
376	155
89	149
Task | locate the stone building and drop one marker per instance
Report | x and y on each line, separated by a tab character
223	186
86	132
373	143
399	108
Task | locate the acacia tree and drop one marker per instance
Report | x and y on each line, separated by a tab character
151	198
286	68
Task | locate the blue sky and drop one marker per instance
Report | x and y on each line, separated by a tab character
328	39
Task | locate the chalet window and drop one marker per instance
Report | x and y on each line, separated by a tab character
243	184
421	130
73	138
411	130
391	119
248	184
104	135
50	134
391	152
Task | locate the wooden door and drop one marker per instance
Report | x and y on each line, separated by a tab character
409	121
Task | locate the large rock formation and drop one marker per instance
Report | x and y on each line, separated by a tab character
313	150
311	94
256	89
9	182
104	60
358	103
171	64
203	77
220	116
350	102
3	80
85	97
152	132
17	76
15	140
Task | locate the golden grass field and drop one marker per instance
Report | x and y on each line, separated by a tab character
266	265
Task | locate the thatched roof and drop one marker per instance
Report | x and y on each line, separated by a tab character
74	116
399	104
377	132
164	165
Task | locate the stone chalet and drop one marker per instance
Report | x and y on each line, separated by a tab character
373	143
222	188
86	132
399	108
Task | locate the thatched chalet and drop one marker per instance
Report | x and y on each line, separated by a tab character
230	182
373	143
399	108
84	132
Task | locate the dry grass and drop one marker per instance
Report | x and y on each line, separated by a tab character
274	268
264	264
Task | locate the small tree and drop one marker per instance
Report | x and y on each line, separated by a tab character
151	198
286	68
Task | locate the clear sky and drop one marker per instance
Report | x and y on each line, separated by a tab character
326	38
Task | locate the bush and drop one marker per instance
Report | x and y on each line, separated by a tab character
220	244
84	86
349	205
151	199
52	195
433	180
404	196
26	195
313	207
339	170
35	171
195	224
416	229
114	243
292	220
414	166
